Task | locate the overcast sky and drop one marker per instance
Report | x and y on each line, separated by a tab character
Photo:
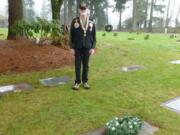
113	17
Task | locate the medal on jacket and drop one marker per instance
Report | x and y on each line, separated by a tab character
91	26
84	27
76	24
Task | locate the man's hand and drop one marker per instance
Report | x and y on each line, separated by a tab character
72	52
92	51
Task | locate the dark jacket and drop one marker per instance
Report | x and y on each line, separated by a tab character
77	38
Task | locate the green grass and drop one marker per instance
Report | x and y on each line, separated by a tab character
60	111
4	32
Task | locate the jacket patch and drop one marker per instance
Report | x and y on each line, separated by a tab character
76	24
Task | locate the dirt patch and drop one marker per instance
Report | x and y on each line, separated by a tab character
23	56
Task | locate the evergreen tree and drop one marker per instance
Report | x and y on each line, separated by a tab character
56	8
15	8
28	10
120	6
46	11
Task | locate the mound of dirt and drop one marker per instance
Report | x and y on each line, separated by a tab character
23	56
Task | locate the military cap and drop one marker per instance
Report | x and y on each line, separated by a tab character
83	6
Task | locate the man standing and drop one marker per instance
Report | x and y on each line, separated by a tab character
82	43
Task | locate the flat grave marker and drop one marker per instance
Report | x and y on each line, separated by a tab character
175	62
108	45
132	68
173	104
147	129
54	81
15	88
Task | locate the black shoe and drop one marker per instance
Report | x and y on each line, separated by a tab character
86	85
76	86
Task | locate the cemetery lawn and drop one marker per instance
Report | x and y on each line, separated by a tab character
61	111
4	32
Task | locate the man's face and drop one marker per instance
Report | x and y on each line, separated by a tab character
83	12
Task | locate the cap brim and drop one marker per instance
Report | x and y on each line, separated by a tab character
82	8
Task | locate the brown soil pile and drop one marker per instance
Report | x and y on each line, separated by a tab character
24	56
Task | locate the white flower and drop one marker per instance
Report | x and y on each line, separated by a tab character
135	123
37	40
117	124
116	118
130	126
107	124
113	128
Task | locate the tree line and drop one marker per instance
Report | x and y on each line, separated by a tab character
146	14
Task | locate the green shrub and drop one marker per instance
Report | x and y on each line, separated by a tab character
131	38
115	34
147	37
40	29
104	34
22	29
